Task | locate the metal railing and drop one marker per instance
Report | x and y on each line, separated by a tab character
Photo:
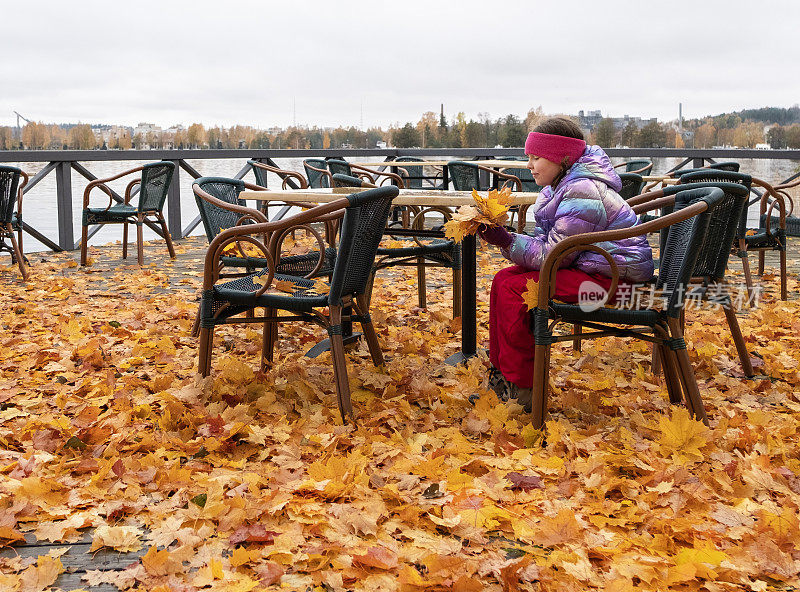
61	163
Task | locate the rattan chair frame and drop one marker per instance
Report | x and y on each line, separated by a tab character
136	216
660	327
638	167
364	219
11	192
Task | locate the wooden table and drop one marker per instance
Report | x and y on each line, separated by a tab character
493	163
418	197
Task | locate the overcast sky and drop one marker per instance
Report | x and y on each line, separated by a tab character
329	63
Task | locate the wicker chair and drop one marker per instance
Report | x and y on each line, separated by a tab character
465	176
414	175
687	229
220	208
416	251
638	167
708	277
342	167
632	185
10	220
261	170
319	177
365	216
153	184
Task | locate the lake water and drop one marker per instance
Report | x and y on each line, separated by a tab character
40	211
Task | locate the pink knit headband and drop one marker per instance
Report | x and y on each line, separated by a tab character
554	148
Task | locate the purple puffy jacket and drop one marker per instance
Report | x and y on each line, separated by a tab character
585	200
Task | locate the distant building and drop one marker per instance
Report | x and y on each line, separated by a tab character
588	120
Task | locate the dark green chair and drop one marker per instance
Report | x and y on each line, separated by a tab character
638	167
363	223
416	251
11	219
466	176
288	178
220	208
153	183
317	173
414	175
687	227
632	185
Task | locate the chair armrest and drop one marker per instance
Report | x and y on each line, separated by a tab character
586	241
229	235
101	183
767	206
645	197
129	190
20	192
283	174
243	211
395	177
513	178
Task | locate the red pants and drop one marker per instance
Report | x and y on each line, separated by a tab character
510	338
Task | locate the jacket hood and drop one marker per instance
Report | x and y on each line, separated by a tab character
594	164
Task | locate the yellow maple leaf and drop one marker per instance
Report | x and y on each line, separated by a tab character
42	575
531	294
494	206
491	210
120	538
682	437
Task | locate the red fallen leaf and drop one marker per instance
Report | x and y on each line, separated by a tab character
252	533
524	482
118	468
268	573
378	557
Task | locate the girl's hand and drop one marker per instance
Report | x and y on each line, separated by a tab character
495	235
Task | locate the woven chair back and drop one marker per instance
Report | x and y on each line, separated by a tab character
340	180
362	229
156	178
415	173
258	173
216	219
682	248
636	165
724	176
341	167
464	176
9	183
316	180
632	185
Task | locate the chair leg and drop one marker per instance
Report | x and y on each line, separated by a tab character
368	329
669	365
576	342
167	236
655	361
748	278
761	257
738	339
268	339
125	240
18	254
139	240
456	293
196	325
422	288
782	256
691	391
541	385
340	366
206	348
84	243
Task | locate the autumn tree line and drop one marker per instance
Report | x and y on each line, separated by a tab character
777	127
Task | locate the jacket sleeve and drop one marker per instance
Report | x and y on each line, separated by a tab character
579	211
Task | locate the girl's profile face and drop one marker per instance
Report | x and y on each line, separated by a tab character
544	171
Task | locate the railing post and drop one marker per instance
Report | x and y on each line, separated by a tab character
699	163
64	202
174	203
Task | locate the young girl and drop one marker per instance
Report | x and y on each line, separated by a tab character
579	195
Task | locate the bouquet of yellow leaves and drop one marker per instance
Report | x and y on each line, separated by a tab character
491	210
